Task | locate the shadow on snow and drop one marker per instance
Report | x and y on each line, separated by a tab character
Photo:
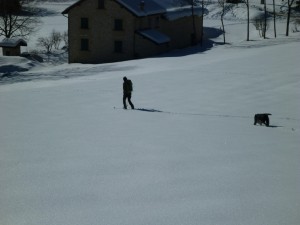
202	114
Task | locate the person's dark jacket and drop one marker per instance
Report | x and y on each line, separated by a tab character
127	87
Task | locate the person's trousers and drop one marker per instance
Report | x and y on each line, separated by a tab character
128	97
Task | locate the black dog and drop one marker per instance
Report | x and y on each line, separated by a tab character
262	118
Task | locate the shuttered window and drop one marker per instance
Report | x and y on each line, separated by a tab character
84	23
118	24
101	4
84	44
118	46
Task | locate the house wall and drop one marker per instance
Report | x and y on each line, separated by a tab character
11	51
181	31
102	36
101	33
145	48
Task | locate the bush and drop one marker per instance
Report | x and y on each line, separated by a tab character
261	26
53	41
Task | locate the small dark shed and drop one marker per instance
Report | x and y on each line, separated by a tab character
12	46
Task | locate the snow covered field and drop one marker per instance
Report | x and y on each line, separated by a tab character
69	153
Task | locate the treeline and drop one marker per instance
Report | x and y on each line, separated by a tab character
263	22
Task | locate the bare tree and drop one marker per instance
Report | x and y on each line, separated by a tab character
203	4
45	42
261	25
53	41
296	24
193	4
265	19
194	36
246	2
56	38
274	18
65	39
289	3
202	29
17	18
222	5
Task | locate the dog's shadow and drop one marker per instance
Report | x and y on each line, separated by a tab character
274	126
270	126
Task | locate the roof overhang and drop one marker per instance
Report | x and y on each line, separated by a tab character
66	11
12	42
181	12
134	6
154	35
142	8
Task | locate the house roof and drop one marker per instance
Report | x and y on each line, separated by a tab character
150	7
142	7
12	42
170	8
154	36
66	11
180	12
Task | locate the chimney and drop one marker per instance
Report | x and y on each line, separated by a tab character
142	5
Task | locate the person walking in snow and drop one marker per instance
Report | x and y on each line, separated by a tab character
127	89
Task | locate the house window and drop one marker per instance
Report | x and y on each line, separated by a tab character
84	44
101	4
157	22
118	24
150	22
118	46
84	23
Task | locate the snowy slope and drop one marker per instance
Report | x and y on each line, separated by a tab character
69	153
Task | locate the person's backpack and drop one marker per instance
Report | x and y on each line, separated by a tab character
129	82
